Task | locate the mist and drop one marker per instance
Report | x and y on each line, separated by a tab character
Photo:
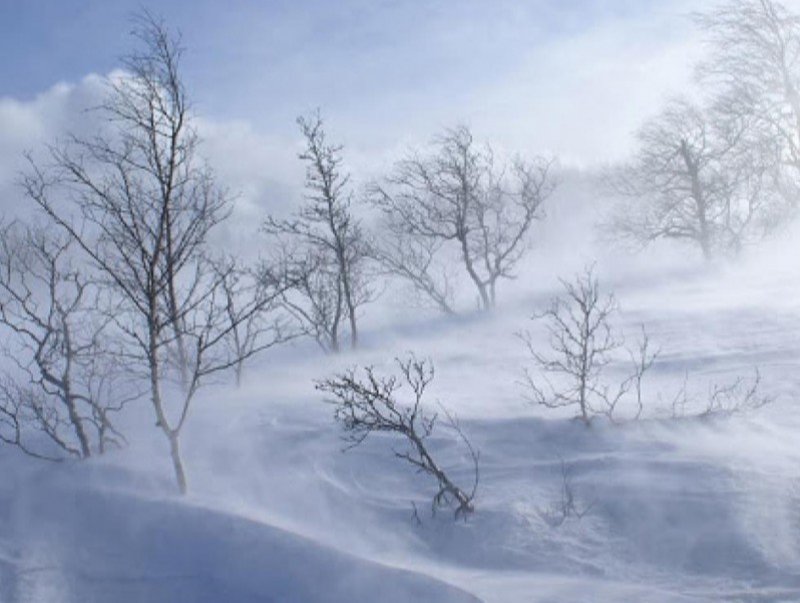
304	301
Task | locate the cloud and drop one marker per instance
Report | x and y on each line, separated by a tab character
30	126
260	172
574	83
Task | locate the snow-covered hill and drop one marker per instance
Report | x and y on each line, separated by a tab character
681	509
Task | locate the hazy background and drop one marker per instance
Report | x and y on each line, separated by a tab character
701	507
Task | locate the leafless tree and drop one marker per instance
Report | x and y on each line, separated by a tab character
582	344
314	297
63	384
140	205
325	249
367	403
251	310
459	195
695	178
754	67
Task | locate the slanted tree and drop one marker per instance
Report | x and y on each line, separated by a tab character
140	204
417	262
324	249
457	195
367	403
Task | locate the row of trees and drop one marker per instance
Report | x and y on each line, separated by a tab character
453	201
115	294
722	170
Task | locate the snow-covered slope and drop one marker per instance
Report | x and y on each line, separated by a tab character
675	509
72	544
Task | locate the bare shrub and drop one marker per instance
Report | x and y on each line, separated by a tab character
566	506
367	403
722	400
582	344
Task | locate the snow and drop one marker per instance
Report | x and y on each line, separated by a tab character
678	509
105	546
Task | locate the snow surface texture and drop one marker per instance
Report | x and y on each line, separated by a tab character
676	509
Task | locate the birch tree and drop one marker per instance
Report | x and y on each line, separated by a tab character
140	204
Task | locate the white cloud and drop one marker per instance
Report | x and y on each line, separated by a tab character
259	171
578	95
30	126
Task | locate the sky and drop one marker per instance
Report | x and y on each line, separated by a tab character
570	78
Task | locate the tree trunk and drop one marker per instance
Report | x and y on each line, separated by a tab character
177	462
348	300
698	194
69	399
158	404
486	303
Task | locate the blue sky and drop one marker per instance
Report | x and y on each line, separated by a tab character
571	78
48	40
247	58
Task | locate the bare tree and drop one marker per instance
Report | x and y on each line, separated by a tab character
694	178
458	194
754	67
314	298
251	299
367	403
582	344
325	248
145	206
64	385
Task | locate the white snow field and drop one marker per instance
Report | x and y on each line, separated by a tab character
677	510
